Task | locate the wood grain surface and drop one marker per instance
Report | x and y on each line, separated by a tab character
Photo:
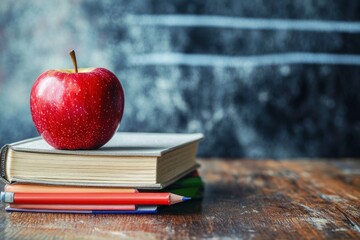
243	199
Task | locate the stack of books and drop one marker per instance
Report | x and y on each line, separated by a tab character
132	173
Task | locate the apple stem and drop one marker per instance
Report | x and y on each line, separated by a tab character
73	58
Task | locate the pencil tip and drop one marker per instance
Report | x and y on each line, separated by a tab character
174	198
186	199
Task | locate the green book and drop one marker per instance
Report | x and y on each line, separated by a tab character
193	192
188	186
185	182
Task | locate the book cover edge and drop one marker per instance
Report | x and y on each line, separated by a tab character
197	137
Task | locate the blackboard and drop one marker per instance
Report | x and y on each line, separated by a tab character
259	78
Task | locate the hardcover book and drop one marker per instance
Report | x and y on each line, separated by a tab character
132	160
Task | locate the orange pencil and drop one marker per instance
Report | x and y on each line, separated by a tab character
38	188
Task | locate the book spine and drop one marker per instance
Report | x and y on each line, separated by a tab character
3	156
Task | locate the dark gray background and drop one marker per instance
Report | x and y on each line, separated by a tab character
263	105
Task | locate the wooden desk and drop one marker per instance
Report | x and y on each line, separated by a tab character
243	199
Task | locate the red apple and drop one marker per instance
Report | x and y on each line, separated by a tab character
77	109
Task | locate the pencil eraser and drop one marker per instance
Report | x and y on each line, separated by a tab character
7	197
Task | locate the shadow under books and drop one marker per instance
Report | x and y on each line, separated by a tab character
185	208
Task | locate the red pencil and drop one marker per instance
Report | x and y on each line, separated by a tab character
92	198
